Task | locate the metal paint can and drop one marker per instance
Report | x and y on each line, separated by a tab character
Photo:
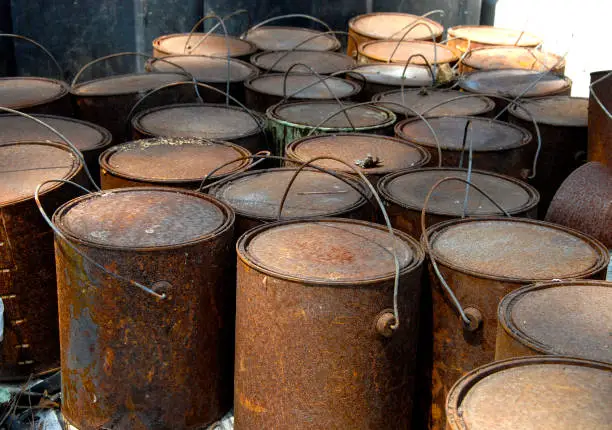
512	57
600	124
468	37
36	95
215	45
322	62
283	38
381	78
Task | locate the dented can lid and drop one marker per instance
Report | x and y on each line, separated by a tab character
25	165
386	25
563	111
142	218
484	133
385	50
215	45
570	318
126	84
516	249
24	92
322	62
496	36
513	82
394	74
391	154
278	38
204	68
328	251
409	188
512	57
273	84
533	393
257	194
172	159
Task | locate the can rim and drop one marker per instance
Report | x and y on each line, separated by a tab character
454	58
64	90
479	66
463	83
75	91
157	43
256	59
335	45
254	71
452	33
439	28
520	113
356	88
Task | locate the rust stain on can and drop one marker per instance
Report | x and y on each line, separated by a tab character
600	124
36	95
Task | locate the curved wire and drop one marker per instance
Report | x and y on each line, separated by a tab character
291	15
425	15
45	50
433	40
606	76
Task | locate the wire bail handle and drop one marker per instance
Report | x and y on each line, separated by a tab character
60	72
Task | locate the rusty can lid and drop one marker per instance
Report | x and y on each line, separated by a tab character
322	62
513	82
215	45
142	218
570	318
273	84
126	84
516	249
496	36
206	69
409	188
421	100
314	112
563	111
277	38
533	393
329	251
485	134
435	53
387	25
86	136
172	159
205	120
512	57
257	194
23	92
25	165
392	154
394	74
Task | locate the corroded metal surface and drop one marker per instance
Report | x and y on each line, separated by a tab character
308	355
467	37
27	270
130	359
533	393
569	318
279	38
512	57
384	51
36	95
322	62
584	202
387	77
600	124
215	45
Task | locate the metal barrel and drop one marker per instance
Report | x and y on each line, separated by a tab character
136	358
482	260
600	123
512	57
36	95
562	121
169	162
215	45
283	38
30	342
531	393
570	318
322	62
380	78
404	193
308	351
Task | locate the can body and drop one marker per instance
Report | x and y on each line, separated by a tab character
600	125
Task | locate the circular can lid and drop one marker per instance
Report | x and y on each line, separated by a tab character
512	57
25	165
570	318
516	249
257	194
393	74
497	36
204	68
126	84
215	45
386	25
435	53
563	111
23	92
322	62
392	154
328	251
409	188
421	100
312	113
172	159
277	38
485	134
273	84
204	120
86	136
513	82
142	218
533	393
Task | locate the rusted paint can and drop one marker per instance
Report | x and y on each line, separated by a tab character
266	90
27	269
385	154
282	38
168	161
583	202
600	125
293	120
36	95
405	192
322	62
130	359
390	25
212	71
215	45
497	146
381	78
512	57
569	318
203	120
468	37
308	354
482	260
562	122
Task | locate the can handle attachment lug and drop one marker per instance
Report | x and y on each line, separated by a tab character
385	323
475	319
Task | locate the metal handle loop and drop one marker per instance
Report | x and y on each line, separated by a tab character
60	71
433	79
433	40
420	19
291	15
218	24
592	91
261	155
